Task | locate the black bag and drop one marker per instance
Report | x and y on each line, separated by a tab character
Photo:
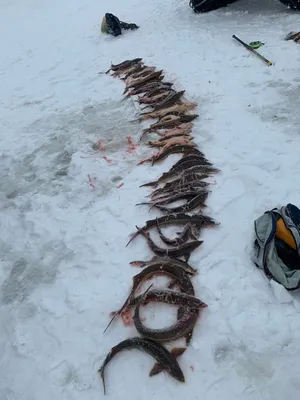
294	4
202	6
113	24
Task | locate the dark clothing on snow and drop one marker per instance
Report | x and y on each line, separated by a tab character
113	26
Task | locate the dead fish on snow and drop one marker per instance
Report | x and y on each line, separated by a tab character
142	70
175	109
124	64
170	121
163	93
177	274
165	360
140	81
169	101
147	86
183	250
187	233
186	321
155	260
199	220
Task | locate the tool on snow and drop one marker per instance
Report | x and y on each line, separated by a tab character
252	50
256	45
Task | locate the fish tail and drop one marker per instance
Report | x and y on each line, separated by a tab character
101	373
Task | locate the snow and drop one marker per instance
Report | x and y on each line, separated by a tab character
64	264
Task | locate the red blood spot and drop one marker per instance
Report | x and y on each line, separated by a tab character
107	159
112	313
192	368
132	146
118	187
127	318
91	183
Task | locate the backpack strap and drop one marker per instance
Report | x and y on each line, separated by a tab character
266	231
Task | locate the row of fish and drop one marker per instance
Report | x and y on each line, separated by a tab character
184	181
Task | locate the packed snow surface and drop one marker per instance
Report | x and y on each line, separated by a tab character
66	212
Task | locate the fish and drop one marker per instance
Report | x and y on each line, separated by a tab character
124	64
199	220
183	250
175	141
167	296
161	261
185	235
182	146
193	181
194	203
178	141
170	198
166	360
177	274
170	135
163	93
146	87
183	127
177	108
167	150
140	81
160	143
161	86
182	167
186	303
196	185
128	70
191	157
169	101
185	169
182	327
200	168
138	72
170	121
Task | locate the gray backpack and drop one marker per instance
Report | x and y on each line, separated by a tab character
275	230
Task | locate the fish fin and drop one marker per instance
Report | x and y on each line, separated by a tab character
177	351
158	368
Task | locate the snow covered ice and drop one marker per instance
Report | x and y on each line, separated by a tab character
64	265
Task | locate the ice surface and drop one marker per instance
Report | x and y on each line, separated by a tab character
65	219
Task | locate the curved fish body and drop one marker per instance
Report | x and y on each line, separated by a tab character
182	327
168	296
180	251
161	261
164	358
199	220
